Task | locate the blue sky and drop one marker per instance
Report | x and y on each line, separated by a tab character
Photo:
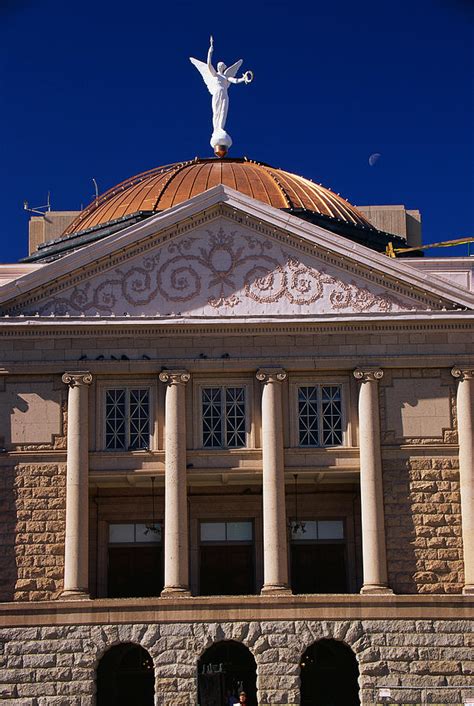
105	89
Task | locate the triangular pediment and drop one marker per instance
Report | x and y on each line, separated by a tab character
223	261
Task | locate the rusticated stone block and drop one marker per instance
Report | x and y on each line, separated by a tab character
59	662
422	511
34	494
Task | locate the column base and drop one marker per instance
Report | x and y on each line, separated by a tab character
276	590
371	588
74	595
468	589
175	592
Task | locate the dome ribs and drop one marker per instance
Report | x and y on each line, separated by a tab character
163	187
324	197
260	190
175	191
157	206
78	223
282	192
128	201
230	178
186	186
200	182
294	196
215	175
242	180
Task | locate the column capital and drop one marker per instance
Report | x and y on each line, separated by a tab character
77	377
462	373
266	375
175	377
368	374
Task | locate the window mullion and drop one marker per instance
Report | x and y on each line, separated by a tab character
320	416
127	418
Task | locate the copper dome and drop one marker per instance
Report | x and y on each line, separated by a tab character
163	187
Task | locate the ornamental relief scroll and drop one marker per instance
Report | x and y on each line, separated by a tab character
214	271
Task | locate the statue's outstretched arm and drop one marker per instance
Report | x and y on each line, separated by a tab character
236	80
209	57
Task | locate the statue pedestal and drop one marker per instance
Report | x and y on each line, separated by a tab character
221	142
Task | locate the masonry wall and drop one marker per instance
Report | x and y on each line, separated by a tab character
32	525
421	481
56	665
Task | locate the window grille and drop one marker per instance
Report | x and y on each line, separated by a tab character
223	417
320	415
127	419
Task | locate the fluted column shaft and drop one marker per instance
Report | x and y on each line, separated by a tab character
76	553
176	510
465	414
275	550
371	485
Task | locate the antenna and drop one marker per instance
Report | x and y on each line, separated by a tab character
96	191
41	210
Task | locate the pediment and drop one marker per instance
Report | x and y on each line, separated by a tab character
225	262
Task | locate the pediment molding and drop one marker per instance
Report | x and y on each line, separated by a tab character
221	213
139	240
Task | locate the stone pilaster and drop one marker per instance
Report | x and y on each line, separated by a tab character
371	484
465	415
76	552
176	510
275	550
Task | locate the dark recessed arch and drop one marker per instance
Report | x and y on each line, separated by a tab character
224	669
329	675
125	675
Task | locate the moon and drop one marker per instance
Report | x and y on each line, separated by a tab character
374	158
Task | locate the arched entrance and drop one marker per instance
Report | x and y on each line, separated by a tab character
329	674
224	670
125	676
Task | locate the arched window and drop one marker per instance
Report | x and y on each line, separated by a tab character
329	675
224	670
125	676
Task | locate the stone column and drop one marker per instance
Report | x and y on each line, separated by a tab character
465	414
275	552
76	552
371	487
176	509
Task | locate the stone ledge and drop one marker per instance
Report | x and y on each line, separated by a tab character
237	608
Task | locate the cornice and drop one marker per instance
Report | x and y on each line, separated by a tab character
65	326
224	608
240	364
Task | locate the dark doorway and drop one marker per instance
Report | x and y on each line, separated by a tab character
318	556
125	676
329	675
224	670
135	572
318	568
227	571
135	560
226	558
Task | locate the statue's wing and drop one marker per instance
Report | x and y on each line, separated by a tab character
203	69
232	70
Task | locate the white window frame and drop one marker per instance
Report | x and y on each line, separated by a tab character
102	389
295	384
199	385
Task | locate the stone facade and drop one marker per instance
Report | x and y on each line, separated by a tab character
32	526
423	525
55	666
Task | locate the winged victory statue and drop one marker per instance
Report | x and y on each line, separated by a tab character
218	81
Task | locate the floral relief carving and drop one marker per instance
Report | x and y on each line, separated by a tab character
219	270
